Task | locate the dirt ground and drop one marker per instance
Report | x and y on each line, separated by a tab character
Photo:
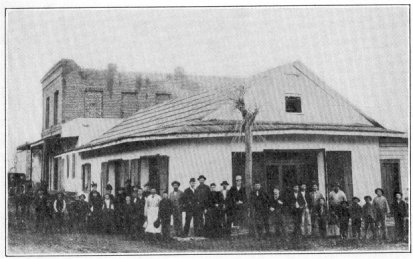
28	242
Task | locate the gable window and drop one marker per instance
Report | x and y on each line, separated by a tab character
162	97
293	104
55	107
47	115
86	176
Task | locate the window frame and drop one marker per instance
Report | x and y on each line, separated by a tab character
86	179
289	97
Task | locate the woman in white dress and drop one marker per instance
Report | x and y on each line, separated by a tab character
151	212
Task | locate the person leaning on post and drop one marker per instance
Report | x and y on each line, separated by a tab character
176	198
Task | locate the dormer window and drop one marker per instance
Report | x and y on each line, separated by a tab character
293	104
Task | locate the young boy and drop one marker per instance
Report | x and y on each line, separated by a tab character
382	209
107	214
399	209
344	217
59	208
356	214
164	215
320	212
369	217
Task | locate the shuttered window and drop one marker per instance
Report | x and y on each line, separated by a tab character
86	177
67	166
47	115
73	165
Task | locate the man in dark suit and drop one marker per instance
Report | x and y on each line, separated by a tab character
188	203
164	215
276	208
306	214
296	204
399	210
227	205
238	201
138	201
260	202
201	196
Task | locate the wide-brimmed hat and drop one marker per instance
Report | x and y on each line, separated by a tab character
224	183
355	198
367	197
379	189
109	187
213	184
192	180
176	182
201	177
94	184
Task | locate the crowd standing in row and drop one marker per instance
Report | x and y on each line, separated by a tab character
141	213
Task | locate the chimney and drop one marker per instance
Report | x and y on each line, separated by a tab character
110	79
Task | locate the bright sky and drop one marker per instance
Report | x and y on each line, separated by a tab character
362	52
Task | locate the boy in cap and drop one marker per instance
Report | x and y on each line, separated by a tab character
175	196
201	195
296	203
356	214
399	209
321	216
382	209
164	215
188	204
369	217
59	207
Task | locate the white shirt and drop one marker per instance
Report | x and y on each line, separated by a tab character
224	193
303	193
296	203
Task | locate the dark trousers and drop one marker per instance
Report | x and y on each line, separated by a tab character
381	224
199	223
297	213
177	217
356	227
322	226
344	228
138	226
59	221
166	228
226	222
261	222
399	228
189	215
40	222
278	223
369	223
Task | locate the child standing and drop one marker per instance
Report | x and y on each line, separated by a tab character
369	217
320	211
344	217
356	214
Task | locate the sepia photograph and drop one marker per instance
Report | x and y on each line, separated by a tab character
174	130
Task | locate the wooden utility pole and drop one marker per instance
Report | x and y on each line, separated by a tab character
248	118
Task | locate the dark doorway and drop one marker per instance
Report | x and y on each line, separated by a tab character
55	173
339	171
390	177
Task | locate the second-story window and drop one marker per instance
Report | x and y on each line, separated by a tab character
55	107
162	97
47	115
293	104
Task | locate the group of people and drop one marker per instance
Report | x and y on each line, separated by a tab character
140	212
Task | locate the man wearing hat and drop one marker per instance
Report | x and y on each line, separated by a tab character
188	202
201	197
226	209
59	207
356	214
296	203
238	201
94	190
119	202
381	206
369	217
176	196
260	204
399	210
213	223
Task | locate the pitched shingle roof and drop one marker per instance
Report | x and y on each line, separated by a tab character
213	112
